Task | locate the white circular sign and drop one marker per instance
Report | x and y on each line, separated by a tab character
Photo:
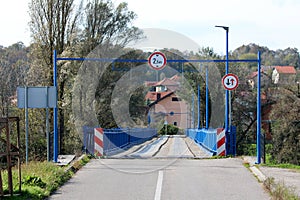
230	81
157	60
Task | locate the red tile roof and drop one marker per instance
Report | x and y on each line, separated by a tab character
152	96
285	69
254	74
166	82
175	78
172	84
150	83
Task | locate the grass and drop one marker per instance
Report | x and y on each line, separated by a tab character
40	179
283	165
279	191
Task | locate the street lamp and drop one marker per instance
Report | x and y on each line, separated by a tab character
227	112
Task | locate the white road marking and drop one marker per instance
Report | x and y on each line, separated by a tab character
159	185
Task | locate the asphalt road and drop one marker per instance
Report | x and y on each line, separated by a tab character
174	177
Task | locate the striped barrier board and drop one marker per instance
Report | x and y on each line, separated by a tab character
98	141
221	142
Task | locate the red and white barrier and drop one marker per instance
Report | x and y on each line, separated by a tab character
98	140
221	142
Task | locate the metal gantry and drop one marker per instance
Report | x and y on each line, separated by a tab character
114	60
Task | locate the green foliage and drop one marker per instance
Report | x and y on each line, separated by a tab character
40	179
289	56
34	181
168	129
286	129
283	165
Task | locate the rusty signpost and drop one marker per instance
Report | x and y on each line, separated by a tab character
11	150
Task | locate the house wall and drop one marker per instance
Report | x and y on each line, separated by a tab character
281	78
265	81
275	76
179	108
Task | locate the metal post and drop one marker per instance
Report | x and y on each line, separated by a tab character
229	110
258	113
206	100
55	137
193	112
227	91
226	72
47	125
26	124
149	119
199	105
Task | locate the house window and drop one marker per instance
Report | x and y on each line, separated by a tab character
176	99
175	123
158	96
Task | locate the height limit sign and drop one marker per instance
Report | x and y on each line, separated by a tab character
230	81
157	60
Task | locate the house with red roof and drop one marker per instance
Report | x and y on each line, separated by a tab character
252	79
284	75
164	102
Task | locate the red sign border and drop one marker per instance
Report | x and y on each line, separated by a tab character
160	53
237	80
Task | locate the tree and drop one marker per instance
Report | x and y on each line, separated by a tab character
54	26
60	25
286	128
14	65
106	25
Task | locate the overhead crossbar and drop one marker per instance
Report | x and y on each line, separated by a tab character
114	60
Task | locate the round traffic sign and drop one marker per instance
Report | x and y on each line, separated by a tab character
230	81
157	60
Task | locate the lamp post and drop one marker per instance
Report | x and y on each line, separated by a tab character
227	112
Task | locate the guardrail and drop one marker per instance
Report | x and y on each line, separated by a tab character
117	138
205	137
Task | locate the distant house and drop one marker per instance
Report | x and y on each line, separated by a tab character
284	75
161	88
163	101
252	79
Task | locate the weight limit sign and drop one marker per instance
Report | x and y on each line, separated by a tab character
157	60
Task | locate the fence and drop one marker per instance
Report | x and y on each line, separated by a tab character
207	138
117	138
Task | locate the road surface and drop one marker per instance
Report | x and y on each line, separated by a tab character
167	174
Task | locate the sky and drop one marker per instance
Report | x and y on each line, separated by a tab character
271	23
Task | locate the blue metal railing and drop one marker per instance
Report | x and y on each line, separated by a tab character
205	137
117	138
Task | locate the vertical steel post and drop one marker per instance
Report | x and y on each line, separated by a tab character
226	72
55	113
227	91
47	124
149	119
206	99
199	105
26	124
193	111
258	113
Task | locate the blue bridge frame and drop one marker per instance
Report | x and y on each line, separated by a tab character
113	60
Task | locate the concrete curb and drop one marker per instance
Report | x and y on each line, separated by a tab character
260	176
256	171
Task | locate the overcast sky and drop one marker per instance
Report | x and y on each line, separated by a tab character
271	23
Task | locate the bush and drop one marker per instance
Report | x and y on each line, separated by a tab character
168	130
